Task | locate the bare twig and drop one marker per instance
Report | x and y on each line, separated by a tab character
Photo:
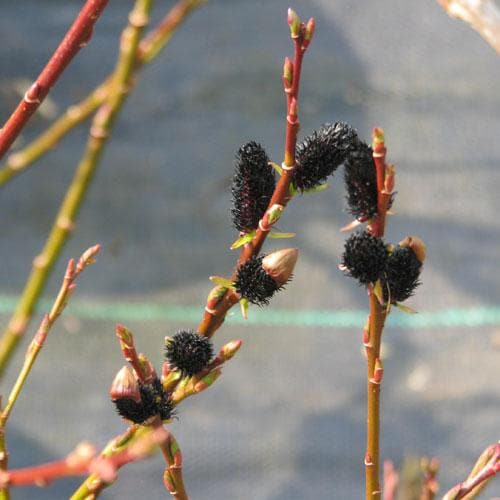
148	49
372	335
77	37
67	288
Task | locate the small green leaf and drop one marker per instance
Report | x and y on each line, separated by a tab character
406	309
174	447
219	280
292	190
244	308
243	240
318	189
379	293
276	167
274	213
277	235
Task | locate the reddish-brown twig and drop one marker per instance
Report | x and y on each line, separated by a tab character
83	460
149	47
172	477
77	37
219	304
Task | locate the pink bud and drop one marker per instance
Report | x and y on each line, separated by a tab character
125	386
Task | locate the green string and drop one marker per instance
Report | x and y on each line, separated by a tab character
143	311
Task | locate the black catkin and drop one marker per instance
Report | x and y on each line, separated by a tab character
252	187
361	182
154	402
401	276
321	153
365	257
188	352
254	284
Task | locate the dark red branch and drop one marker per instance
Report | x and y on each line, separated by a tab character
214	316
77	37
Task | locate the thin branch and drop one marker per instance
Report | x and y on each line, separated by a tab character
67	288
84	460
372	335
65	219
77	37
215	310
148	49
430	484
172	477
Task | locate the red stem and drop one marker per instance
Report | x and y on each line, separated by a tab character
379	153
77	37
212	320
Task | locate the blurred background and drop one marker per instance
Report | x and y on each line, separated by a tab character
286	420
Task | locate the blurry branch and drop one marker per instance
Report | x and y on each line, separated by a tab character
482	15
430	484
83	460
65	219
67	288
148	49
77	37
486	466
391	481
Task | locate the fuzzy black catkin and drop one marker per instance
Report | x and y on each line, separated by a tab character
401	276
252	188
188	352
361	182
254	284
321	153
154	402
365	257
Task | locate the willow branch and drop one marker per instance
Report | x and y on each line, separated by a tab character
215	313
65	219
84	460
77	37
372	336
67	288
149	47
